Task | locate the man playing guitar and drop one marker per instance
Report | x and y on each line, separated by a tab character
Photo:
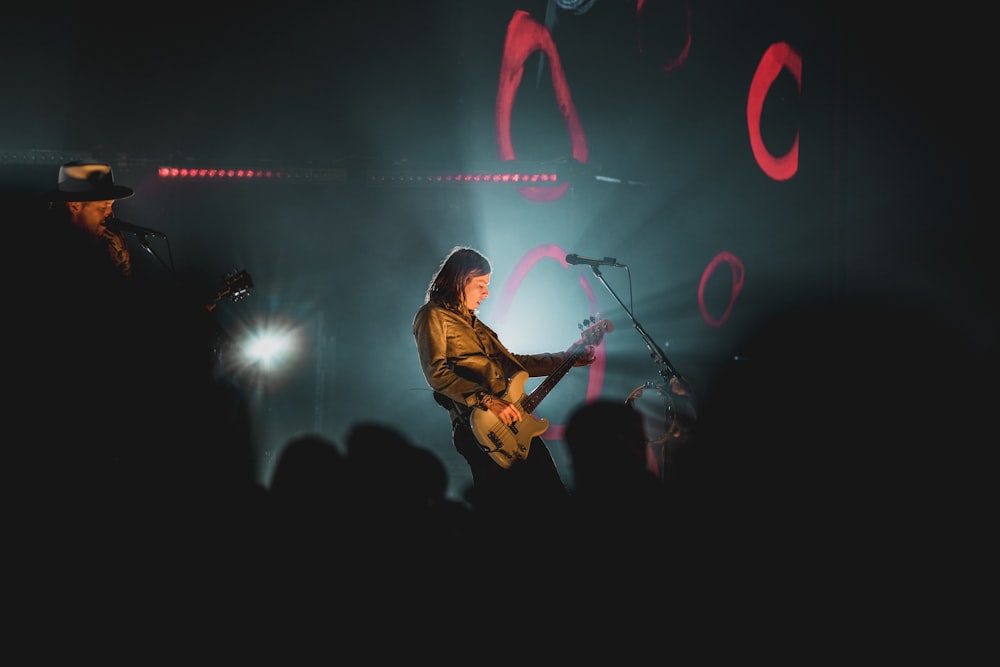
470	370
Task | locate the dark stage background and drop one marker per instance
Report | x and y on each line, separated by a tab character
878	200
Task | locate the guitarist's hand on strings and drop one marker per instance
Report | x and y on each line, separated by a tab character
507	412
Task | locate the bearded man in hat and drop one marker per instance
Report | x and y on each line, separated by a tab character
130	428
80	205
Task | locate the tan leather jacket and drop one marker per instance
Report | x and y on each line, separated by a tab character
460	356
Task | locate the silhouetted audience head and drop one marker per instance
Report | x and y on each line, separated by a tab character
606	438
391	471
311	480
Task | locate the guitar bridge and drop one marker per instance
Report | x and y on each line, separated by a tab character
497	446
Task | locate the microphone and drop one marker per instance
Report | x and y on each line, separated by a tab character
607	261
119	225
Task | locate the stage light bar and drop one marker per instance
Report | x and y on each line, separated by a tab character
388	177
461	177
44	157
168	173
519	174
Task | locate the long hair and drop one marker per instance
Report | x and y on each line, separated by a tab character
459	266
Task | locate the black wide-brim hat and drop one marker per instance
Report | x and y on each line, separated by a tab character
87	181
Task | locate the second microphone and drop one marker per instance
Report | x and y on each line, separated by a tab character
119	225
589	261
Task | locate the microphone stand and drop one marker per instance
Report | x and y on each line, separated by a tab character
144	242
680	413
677	382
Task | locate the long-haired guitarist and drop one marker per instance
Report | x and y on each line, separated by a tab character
470	370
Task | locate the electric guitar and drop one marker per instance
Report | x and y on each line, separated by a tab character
507	444
234	286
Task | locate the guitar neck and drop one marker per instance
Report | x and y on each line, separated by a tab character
530	403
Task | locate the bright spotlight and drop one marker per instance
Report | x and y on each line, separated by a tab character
268	350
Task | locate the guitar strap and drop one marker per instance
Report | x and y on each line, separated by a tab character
444	401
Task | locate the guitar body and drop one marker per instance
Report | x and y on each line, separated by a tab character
507	444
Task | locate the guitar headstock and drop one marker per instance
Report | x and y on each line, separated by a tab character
236	286
593	329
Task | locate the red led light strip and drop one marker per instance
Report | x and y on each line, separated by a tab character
390	177
549	178
231	174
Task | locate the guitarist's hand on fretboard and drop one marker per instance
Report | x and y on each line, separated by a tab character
588	357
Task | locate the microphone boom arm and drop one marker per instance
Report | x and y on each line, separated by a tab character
668	371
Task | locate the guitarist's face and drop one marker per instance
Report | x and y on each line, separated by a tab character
476	291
